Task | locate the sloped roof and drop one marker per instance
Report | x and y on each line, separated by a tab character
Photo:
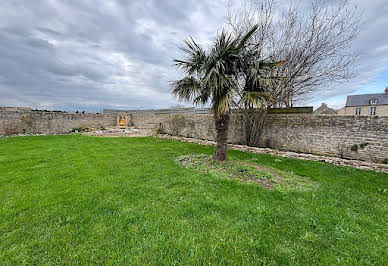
363	100
325	110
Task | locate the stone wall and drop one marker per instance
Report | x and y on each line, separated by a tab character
26	121
319	134
329	135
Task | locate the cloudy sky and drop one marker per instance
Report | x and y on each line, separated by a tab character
94	54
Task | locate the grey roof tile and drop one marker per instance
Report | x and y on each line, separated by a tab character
363	100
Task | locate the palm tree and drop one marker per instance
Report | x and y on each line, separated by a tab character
214	77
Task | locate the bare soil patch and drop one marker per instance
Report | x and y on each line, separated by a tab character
247	172
115	132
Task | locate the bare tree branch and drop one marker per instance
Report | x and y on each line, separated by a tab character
315	43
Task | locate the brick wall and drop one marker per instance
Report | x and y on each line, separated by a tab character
20	120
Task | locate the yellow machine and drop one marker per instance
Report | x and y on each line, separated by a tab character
123	120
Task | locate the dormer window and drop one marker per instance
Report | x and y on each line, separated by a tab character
373	101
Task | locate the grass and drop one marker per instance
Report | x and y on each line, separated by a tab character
269	177
88	200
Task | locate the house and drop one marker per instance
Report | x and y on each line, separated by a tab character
324	110
366	105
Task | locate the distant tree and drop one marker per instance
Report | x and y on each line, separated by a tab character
227	75
314	42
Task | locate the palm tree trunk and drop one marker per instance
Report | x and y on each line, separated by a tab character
222	126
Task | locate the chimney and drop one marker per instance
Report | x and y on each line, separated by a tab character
386	90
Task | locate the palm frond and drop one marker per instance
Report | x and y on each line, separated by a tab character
254	98
195	57
186	89
231	68
247	36
222	106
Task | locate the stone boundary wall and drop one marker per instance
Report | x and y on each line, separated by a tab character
308	133
26	121
329	135
287	154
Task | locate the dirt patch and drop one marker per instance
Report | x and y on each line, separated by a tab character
265	183
115	132
247	172
279	178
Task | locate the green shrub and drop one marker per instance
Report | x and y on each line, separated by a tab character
81	129
385	161
363	145
354	148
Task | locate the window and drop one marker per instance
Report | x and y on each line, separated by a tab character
373	111
373	101
358	111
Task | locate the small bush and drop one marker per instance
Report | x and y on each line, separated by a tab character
354	147
81	129
385	161
363	145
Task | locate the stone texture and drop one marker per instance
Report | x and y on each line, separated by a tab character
307	133
316	134
26	121
327	135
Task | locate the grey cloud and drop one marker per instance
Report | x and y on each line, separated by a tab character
92	54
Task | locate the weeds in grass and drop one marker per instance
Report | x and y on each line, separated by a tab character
247	172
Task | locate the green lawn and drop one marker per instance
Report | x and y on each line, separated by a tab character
77	199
